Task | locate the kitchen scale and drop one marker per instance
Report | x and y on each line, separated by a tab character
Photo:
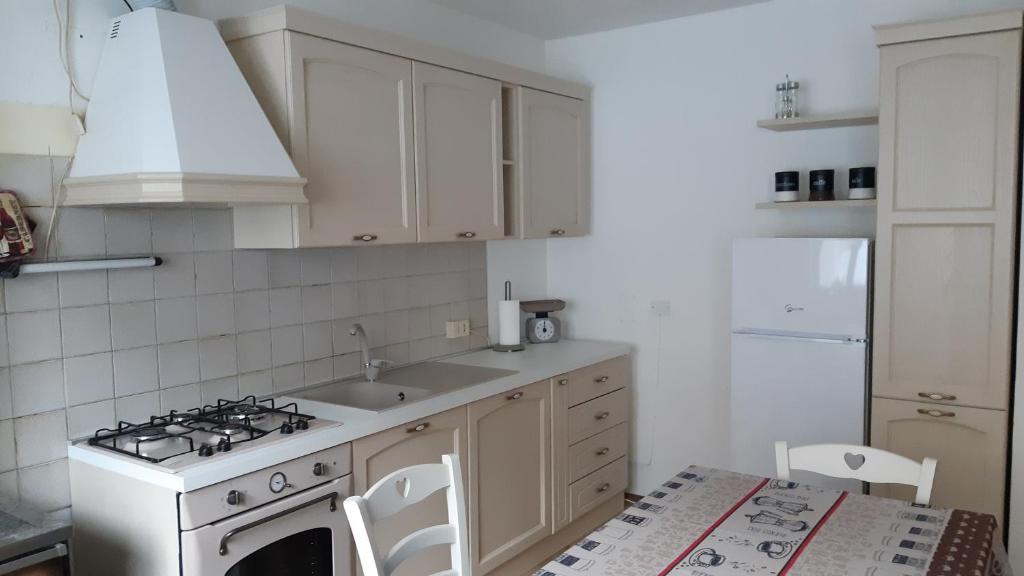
542	328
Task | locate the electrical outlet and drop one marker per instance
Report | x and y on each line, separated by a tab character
457	328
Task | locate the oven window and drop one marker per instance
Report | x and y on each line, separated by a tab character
307	553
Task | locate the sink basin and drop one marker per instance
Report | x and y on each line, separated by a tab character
371	396
439	377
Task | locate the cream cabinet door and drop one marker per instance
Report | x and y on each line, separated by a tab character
352	138
553	165
510	474
945	251
420	442
561	472
969	443
458	155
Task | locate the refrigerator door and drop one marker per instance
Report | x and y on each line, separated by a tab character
803	391
808	286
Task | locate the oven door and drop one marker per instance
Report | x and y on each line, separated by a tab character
305	534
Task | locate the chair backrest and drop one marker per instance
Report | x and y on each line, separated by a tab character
398	490
859	463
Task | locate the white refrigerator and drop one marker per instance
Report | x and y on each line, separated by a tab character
800	309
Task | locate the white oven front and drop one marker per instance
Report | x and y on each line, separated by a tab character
304	534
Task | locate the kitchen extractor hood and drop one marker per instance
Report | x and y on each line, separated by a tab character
171	120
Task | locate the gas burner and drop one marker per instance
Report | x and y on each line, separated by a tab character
244	413
148	433
180	417
229	429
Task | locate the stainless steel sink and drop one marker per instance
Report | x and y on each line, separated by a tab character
401	386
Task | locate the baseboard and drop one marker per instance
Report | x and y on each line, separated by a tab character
531	560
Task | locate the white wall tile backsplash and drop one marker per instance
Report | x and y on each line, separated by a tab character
81	351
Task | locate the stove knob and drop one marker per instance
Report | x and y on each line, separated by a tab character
287	428
319	469
205	450
235	498
224	445
302	425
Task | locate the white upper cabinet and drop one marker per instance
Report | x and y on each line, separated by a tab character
458	155
553	165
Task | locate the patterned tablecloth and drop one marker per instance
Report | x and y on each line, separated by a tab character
707	522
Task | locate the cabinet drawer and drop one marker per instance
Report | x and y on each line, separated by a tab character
598	415
597	451
597	380
588	493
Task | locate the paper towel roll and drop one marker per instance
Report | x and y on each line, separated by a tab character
508	322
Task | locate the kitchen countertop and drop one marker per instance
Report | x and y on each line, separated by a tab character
537	362
24	530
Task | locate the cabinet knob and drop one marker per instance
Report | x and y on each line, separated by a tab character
604	487
936	413
365	237
319	469
600	380
563	381
418	428
558	232
234	498
936	396
466	235
515	396
602	415
602	451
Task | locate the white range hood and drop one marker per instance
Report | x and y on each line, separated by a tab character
171	120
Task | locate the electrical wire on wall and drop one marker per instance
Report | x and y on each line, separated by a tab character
653	419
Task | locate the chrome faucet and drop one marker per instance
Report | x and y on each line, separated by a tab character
371	368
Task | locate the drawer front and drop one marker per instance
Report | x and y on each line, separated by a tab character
597	380
598	415
598	451
597	488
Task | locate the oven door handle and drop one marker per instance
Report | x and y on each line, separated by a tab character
333	497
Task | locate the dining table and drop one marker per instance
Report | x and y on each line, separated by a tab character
710	522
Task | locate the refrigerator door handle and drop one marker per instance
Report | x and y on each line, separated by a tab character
797	337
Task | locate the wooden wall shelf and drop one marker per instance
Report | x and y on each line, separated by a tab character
819	122
827	205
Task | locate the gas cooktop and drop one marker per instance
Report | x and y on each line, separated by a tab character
178	439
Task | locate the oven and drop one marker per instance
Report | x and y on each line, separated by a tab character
293	522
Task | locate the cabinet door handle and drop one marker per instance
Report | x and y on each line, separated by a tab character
602	452
936	396
602	415
563	381
936	413
604	487
558	232
466	235
515	396
418	428
364	237
600	380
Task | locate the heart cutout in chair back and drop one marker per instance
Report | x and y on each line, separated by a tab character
854	461
403	485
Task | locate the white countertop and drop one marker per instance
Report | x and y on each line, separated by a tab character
537	362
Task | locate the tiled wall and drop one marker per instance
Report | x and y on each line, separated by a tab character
82	350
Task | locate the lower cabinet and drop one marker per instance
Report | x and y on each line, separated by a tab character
509	474
969	444
420	442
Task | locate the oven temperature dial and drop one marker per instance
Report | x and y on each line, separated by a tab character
278	482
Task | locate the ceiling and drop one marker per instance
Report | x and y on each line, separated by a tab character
550	19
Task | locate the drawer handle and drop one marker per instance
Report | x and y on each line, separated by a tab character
563	381
466	235
604	487
936	413
365	237
602	415
936	396
602	452
600	380
515	396
418	428
558	232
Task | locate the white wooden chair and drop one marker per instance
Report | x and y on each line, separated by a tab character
399	490
858	463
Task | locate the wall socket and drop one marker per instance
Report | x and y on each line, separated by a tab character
456	328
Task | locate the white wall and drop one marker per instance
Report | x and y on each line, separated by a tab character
677	167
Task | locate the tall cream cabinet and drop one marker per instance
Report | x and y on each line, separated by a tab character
402	142
946	250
